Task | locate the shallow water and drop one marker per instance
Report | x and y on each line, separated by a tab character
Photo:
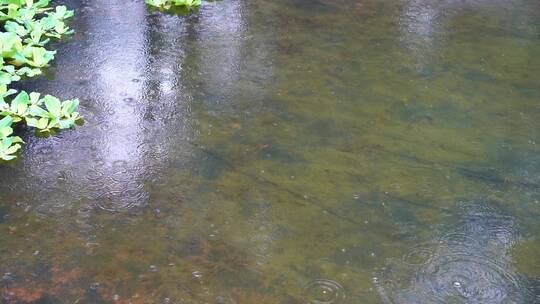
374	151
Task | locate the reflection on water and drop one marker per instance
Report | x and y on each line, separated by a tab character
284	152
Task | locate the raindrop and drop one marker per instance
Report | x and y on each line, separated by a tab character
129	100
324	292
94	286
468	265
477	278
197	274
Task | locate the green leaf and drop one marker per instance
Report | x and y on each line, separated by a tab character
66	124
31	122
5	132
6	143
6	121
52	123
61	11
35	110
6	78
14	27
69	106
34	97
20	103
4	92
41	57
12	149
36	33
28	72
42	123
48	22
28	24
7	157
9	146
167	4
53	105
61	28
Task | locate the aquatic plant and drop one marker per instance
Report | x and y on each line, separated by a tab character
9	145
168	4
28	27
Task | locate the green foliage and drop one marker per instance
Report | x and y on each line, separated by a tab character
45	113
28	27
9	145
168	4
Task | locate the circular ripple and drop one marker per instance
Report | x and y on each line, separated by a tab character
115	200
458	239
469	279
324	292
418	255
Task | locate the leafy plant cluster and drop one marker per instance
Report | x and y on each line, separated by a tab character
28	27
169	4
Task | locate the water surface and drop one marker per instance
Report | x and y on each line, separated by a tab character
373	151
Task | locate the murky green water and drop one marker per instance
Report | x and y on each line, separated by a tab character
304	151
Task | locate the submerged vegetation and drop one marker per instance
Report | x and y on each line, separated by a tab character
28	27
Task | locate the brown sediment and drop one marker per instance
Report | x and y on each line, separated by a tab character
17	294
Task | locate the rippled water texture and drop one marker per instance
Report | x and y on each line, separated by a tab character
304	151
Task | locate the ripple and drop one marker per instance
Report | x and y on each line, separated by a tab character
324	292
44	150
469	264
456	239
418	255
458	243
116	200
469	278
130	101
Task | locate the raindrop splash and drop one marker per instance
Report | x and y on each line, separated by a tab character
324	292
468	264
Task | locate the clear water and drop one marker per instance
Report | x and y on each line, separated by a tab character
304	151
